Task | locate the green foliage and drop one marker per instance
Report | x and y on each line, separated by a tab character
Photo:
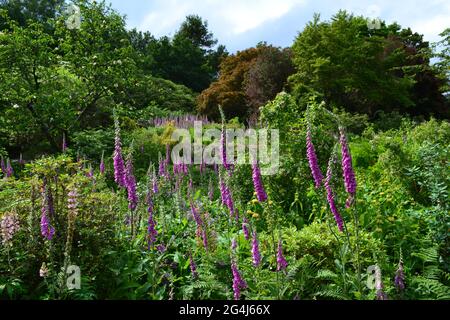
392	74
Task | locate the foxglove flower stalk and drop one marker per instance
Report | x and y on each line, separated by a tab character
227	199
47	230
330	196
255	250
119	166
193	267
73	202
205	238
347	169
234	244
50	206
9	169
102	164
238	283
257	183
9	225
210	190
72	205
155	184
281	261
131	185
400	277
196	215
312	159
152	233
223	149
90	173
3	167
381	295
245	229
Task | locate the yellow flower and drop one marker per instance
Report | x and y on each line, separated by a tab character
255	215
270	202
255	201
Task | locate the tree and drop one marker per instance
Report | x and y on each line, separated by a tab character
267	76
22	11
247	81
196	30
365	70
189	57
63	82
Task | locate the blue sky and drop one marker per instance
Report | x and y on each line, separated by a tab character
240	24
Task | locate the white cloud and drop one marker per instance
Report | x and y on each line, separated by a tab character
237	22
230	17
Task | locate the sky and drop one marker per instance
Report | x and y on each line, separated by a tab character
240	24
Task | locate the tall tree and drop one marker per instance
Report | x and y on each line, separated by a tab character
23	10
364	69
247	81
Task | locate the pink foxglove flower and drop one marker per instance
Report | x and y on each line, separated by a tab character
312	159
258	184
330	196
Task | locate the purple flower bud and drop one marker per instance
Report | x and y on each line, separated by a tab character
131	185
312	159
155	184
193	267
196	215
2	165
47	230
152	233
102	165
347	168
238	282
255	250
9	169
330	196
281	261
245	229
258	184
223	149
400	277
119	166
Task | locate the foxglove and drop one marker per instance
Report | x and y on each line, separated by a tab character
347	169
152	233
47	230
312	159
257	183
400	277
255	250
281	261
330	196
381	295
238	282
102	164
131	185
9	225
119	166
193	267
